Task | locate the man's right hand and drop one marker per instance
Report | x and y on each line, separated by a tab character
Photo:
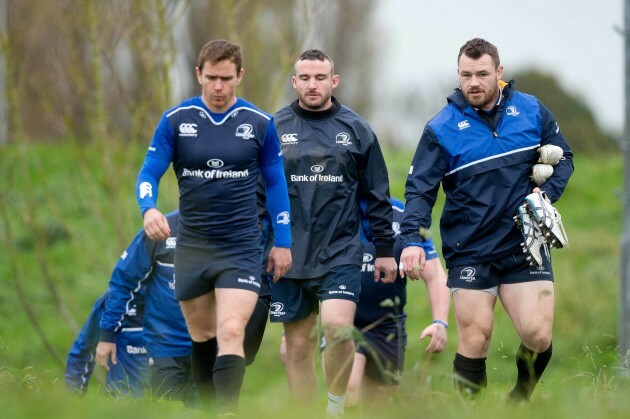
105	350
156	225
412	262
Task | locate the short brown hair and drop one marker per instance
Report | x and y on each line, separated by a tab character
477	47
316	55
219	50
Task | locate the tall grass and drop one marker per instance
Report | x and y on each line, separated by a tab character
66	215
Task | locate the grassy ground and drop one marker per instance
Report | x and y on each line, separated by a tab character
67	211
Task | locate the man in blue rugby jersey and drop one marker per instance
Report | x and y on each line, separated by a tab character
218	145
481	147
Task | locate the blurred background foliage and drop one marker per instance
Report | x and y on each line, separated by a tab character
104	71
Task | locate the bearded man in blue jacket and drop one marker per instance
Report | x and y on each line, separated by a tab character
481	147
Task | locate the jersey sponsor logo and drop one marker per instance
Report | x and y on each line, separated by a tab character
146	190
467	274
171	242
463	124
187	130
512	111
215	163
136	350
343	138
249	281
396	228
215	174
245	131
317	178
277	309
342	290
367	265
283	218
289	138
540	270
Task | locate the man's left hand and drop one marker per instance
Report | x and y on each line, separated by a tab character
279	262
387	267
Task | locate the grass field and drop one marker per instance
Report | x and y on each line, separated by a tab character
68	210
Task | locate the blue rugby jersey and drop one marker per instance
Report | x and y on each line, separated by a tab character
129	374
217	159
485	169
148	265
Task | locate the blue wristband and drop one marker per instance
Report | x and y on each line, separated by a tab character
443	323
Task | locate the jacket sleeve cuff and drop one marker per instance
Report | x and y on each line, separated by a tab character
412	240
384	251
107	336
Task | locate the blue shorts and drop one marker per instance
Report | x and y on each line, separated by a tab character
295	299
201	265
510	270
171	379
384	349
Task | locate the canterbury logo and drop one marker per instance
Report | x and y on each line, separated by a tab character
289	138
188	130
146	190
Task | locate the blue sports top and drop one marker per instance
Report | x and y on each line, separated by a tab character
484	163
148	265
217	159
380	302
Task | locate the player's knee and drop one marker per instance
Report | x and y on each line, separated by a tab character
538	340
476	340
300	348
231	330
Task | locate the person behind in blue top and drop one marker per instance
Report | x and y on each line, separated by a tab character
481	147
381	320
145	271
218	145
128	375
147	265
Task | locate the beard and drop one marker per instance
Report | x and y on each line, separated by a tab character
481	101
313	103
